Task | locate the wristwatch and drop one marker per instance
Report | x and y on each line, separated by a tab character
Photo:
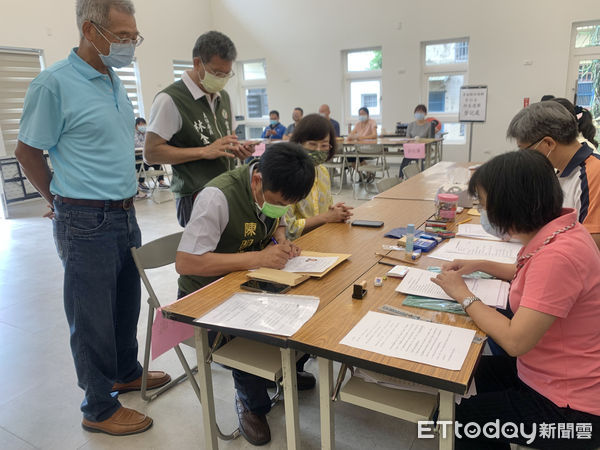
467	301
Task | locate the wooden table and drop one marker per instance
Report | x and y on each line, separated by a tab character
322	334
424	185
433	147
361	242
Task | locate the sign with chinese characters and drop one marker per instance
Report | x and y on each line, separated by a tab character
473	104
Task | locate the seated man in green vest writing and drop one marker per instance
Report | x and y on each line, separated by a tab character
232	226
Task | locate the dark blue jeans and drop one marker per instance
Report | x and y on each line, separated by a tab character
101	299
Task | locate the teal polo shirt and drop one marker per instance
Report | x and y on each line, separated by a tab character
85	120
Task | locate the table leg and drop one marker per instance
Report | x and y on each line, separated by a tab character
446	416
290	392
326	404
206	389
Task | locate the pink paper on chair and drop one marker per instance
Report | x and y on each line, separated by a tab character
167	333
259	149
414	151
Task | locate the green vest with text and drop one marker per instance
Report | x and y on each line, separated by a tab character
247	229
199	127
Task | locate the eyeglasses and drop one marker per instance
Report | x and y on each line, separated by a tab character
217	74
314	145
533	146
136	42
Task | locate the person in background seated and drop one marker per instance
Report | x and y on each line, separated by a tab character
326	112
297	115
552	371
140	138
235	225
365	128
316	135
274	130
585	123
419	128
551	129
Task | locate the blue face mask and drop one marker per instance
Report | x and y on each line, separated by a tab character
142	128
419	115
273	122
491	229
363	118
120	55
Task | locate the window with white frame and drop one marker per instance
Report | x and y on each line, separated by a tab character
445	70
130	77
362	83
18	67
253	102
179	67
584	68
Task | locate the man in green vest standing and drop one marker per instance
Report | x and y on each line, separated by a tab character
191	124
235	225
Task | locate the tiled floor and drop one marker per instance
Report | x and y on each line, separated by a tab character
39	397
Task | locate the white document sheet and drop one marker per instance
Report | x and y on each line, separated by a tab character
503	252
397	383
415	340
310	264
418	282
476	231
265	313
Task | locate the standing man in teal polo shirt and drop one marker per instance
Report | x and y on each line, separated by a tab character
79	112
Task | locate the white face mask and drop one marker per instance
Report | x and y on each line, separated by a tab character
212	83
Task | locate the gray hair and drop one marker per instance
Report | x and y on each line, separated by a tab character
97	11
543	119
212	44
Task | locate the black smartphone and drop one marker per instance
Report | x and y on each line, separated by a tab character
265	286
367	223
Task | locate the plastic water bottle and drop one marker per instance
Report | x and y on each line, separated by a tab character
410	238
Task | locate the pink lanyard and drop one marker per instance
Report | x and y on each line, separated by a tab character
523	259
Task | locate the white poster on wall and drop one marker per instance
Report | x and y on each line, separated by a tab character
473	104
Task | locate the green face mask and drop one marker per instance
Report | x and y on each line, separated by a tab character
318	157
273	211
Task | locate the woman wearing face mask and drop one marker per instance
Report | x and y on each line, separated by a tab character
364	129
555	296
140	139
317	136
420	128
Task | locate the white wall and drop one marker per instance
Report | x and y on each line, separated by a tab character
302	43
169	29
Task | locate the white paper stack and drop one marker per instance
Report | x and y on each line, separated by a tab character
310	264
414	340
264	313
418	282
502	252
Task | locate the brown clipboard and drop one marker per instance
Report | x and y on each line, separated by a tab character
293	278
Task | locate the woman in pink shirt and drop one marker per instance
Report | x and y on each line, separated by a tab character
552	387
364	130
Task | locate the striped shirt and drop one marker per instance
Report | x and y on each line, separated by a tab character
580	182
